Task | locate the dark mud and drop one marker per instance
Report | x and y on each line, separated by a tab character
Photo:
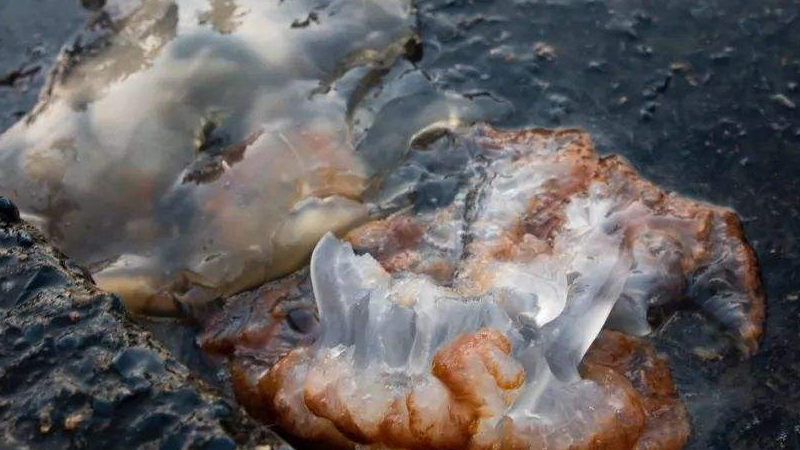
76	373
702	97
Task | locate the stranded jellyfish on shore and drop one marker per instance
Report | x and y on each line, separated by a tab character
184	150
485	289
479	314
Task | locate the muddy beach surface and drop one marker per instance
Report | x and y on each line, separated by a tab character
701	97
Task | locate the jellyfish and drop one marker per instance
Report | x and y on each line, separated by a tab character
501	305
185	150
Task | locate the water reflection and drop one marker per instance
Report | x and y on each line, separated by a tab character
190	149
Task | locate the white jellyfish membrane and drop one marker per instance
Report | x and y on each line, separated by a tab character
188	149
395	347
543	245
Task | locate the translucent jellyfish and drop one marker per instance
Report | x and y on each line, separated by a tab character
190	149
478	314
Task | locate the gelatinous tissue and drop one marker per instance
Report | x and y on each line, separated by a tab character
487	284
479	313
186	150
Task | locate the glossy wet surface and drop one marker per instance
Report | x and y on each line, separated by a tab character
702	97
29	43
186	150
77	373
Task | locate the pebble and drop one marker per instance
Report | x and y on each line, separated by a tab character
680	67
783	101
73	421
545	51
597	66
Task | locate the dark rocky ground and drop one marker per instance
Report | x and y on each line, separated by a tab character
702	96
76	373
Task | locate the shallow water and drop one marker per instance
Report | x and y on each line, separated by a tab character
698	95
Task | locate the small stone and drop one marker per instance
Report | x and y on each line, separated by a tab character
647	111
783	101
45	423
503	53
706	354
644	50
544	51
680	67
74	420
596	66
74	316
724	55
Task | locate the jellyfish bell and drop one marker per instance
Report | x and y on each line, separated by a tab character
441	372
482	319
186	150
